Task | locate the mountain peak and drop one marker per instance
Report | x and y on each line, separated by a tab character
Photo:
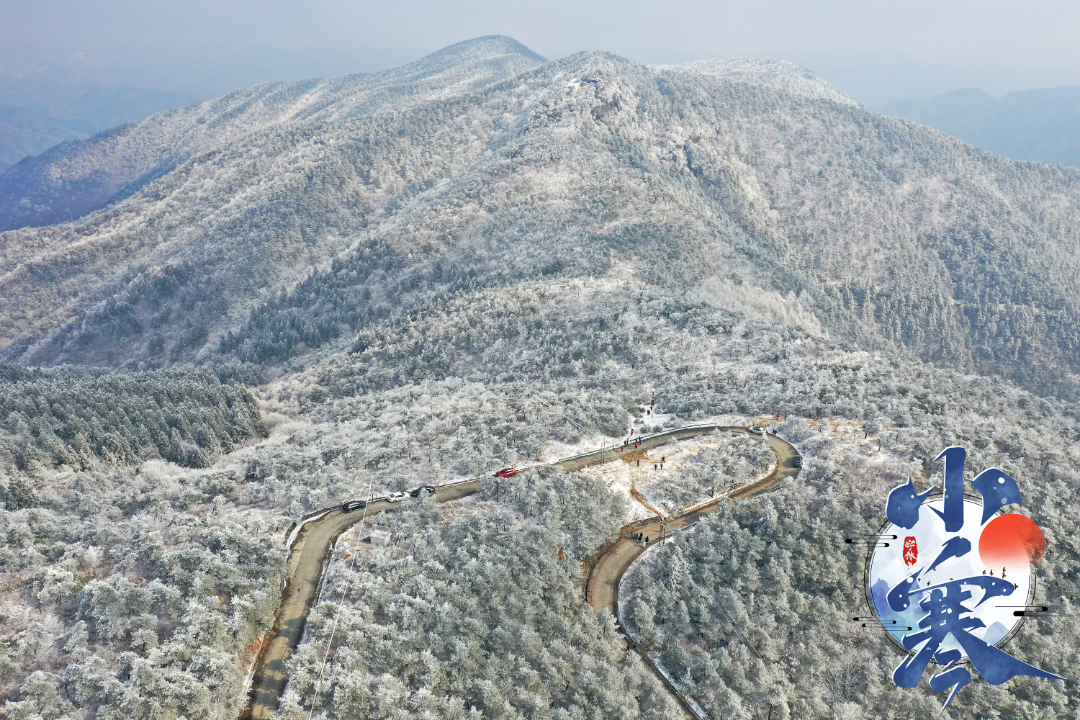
475	50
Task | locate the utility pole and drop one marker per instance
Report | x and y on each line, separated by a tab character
665	529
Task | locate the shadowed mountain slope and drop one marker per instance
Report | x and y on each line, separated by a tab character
354	202
29	130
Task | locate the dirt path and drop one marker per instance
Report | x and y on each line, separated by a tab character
602	590
305	569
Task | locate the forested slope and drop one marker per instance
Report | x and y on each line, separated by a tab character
480	616
494	378
968	259
76	417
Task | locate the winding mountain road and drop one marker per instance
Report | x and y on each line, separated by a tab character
304	571
602	587
315	540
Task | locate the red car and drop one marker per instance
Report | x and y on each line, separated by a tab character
506	472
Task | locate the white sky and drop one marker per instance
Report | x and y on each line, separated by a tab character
228	41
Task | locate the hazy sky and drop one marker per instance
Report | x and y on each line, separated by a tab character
205	47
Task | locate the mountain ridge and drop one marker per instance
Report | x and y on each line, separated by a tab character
78	177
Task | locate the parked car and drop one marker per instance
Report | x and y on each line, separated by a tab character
756	430
506	472
353	505
396	497
416	492
797	461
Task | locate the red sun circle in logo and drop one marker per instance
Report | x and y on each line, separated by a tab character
1013	542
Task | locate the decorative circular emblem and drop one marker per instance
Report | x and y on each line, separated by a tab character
951	577
995	553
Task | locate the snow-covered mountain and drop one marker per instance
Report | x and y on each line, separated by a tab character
486	260
484	165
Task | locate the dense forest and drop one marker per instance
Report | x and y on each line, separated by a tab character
479	616
76	417
539	371
475	383
132	593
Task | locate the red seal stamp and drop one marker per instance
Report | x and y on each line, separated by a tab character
911	551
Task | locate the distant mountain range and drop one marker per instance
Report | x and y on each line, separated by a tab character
290	217
27	130
36	114
1041	125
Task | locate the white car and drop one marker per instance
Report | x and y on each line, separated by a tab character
396	497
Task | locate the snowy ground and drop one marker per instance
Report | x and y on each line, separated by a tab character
663	491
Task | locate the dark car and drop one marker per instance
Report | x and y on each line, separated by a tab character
506	472
797	461
429	489
353	505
